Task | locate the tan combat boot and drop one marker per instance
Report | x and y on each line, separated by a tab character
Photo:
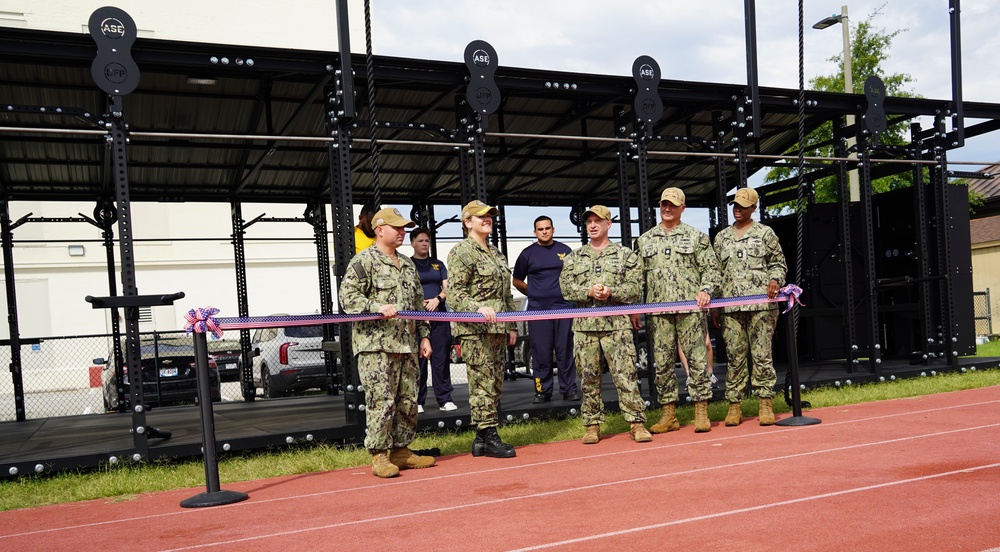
404	459
766	413
381	466
701	422
592	435
639	433
668	421
735	415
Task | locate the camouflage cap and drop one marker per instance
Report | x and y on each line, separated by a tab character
746	197
673	195
391	216
599	210
477	209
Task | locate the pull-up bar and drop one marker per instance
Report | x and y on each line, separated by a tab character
324	139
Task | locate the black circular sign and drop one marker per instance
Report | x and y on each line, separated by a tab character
113	69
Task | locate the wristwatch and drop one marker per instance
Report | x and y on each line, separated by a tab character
439	298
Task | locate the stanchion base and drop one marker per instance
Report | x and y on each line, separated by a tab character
798	421
217	498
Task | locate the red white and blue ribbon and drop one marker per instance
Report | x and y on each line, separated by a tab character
793	292
789	294
202	320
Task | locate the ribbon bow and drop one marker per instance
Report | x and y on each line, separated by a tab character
792	291
202	320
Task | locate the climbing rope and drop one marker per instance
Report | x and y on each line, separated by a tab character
370	64
800	204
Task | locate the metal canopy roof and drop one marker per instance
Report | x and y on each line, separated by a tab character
282	93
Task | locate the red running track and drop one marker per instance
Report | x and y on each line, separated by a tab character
907	474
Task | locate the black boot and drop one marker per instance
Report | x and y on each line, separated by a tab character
488	443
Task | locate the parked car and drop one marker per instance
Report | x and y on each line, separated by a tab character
289	359
169	376
226	353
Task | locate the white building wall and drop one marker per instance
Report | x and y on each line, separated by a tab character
282	275
986	275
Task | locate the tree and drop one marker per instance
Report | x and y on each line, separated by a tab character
869	50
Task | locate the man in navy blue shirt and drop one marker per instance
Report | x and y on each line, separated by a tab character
434	279
536	275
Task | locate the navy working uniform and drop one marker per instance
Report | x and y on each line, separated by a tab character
752	264
432	273
386	348
540	266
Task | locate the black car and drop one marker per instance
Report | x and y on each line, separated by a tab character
226	353
169	376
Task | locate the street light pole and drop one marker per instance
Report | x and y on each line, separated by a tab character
852	175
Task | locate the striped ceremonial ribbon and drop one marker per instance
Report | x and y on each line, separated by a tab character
789	294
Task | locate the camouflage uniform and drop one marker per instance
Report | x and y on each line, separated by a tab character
607	338
387	359
677	265
748	264
479	277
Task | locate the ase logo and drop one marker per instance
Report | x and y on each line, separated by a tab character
481	58
112	28
646	72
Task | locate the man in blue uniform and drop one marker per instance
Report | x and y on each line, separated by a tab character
536	275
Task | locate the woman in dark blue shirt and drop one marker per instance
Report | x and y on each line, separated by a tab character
434	279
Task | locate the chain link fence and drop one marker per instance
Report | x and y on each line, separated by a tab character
75	375
58	376
983	314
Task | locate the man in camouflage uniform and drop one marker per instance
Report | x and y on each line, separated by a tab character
678	264
752	264
378	279
600	274
479	281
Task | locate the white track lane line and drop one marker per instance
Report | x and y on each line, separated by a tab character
644	449
799	500
631	481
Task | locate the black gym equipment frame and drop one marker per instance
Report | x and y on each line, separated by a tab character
290	129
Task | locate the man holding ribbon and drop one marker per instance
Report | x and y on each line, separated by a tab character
752	264
679	265
378	279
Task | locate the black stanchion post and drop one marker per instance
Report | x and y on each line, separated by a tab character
797	418
213	496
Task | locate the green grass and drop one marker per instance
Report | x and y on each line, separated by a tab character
989	349
122	483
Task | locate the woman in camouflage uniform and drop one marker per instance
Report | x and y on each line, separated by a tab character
479	281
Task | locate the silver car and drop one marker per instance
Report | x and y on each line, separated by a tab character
289	360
